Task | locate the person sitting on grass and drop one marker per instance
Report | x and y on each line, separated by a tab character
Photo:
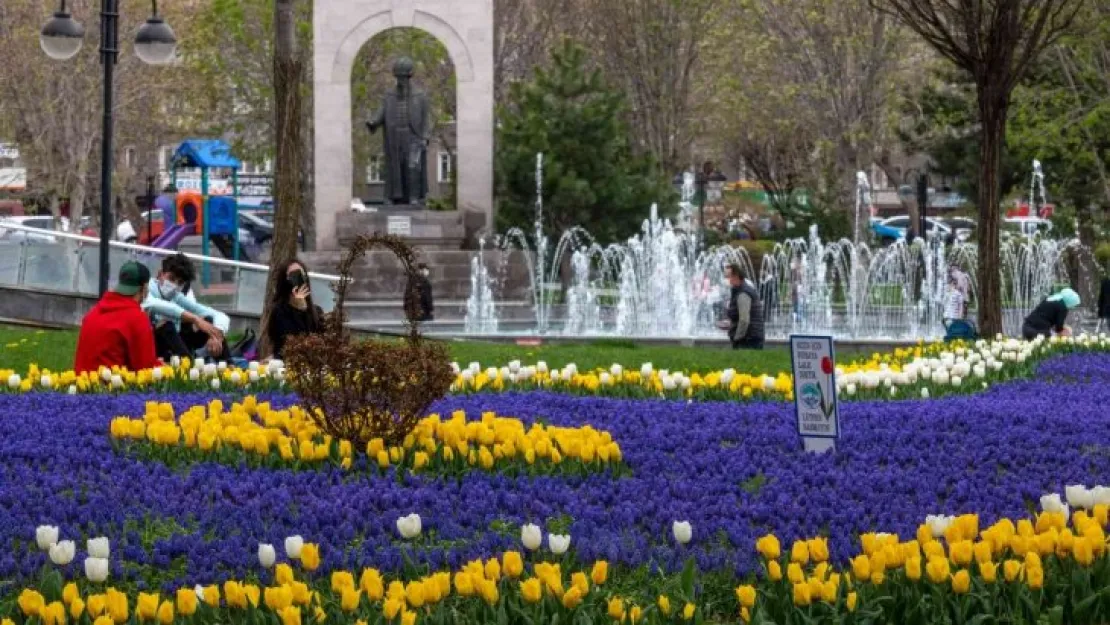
1050	316
116	332
183	326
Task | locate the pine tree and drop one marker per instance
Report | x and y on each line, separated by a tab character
593	177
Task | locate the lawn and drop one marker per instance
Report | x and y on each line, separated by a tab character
53	349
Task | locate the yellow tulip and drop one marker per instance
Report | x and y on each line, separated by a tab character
801	594
340	580
851	601
69	593
76	608
165	613
746	596
799	552
408	618
774	570
372	584
616	609
664	605
1011	569
147	607
531	590
600	572
186	601
291	616
938	570
768	546
861	568
913	569
961	582
819	549
961	552
688	611
392	607
989	571
579	581
634	614
572	598
794	573
1034	577
31	603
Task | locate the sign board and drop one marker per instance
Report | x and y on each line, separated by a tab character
250	185
399	226
815	403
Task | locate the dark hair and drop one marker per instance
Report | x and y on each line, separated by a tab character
735	270
284	287
179	266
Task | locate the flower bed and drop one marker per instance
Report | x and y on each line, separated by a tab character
263	436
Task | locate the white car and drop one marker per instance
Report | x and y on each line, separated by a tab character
1025	226
902	223
40	222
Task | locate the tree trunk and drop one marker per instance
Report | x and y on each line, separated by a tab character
287	135
993	107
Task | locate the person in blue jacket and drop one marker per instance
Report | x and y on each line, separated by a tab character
182	325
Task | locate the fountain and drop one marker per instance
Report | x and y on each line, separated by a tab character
661	284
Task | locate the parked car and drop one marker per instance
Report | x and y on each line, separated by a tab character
1025	226
894	228
41	222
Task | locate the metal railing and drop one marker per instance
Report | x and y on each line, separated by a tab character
67	262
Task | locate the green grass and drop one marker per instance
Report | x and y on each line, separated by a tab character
53	349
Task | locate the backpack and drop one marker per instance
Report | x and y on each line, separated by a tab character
246	347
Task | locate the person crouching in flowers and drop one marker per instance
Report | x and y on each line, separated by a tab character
116	332
1050	316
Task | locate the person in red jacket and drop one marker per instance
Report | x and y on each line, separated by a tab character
117	332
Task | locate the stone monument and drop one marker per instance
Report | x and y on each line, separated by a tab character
403	118
340	29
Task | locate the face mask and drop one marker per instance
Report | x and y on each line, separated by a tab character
168	289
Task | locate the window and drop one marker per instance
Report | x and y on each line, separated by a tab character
165	158
129	157
445	163
374	170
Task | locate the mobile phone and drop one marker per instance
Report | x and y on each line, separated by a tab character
297	279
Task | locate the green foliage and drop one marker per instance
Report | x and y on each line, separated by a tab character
1102	253
593	177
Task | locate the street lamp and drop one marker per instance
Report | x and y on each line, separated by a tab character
155	44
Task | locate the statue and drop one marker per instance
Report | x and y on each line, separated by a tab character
404	117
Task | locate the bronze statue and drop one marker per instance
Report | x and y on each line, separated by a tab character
404	116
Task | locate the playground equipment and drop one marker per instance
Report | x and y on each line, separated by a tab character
214	218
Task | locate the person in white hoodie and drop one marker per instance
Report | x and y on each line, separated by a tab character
125	232
182	325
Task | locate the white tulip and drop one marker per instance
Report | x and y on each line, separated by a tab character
956	381
98	548
72	389
768	383
293	546
253	366
646	369
939	523
851	389
221	367
685	383
267	555
474	366
215	384
46	536
14	381
925	393
468	376
63	552
46	381
275	366
252	376
573	368
541	366
504	372
683	532
209	370
117	382
409	526
157	374
616	370
175	362
1079	497
668	383
514	366
199	590
194	374
531	536
236	377
106	374
96	569
727	376
558	543
604	378
1100	495
1053	503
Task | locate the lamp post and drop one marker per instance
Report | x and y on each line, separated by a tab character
155	44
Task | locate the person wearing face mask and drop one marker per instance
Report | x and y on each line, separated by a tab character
182	325
294	312
420	287
116	332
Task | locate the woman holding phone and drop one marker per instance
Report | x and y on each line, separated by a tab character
294	312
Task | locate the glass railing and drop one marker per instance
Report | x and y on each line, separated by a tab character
48	260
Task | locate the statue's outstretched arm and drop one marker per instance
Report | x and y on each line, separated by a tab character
376	121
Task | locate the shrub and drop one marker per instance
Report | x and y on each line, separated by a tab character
361	390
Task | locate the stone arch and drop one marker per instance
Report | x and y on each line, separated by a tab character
341	29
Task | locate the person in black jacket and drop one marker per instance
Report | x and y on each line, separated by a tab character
294	312
1104	301
744	314
1050	315
421	288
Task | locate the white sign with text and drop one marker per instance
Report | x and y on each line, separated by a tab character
815	403
399	226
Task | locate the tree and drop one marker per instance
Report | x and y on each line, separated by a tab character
592	177
53	109
288	124
995	41
822	77
651	49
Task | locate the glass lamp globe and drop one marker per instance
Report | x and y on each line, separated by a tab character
62	37
155	43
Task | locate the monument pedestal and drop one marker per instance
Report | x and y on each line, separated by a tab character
422	228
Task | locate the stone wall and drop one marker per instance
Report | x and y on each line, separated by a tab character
379	276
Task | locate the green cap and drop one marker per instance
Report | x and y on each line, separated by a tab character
133	275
